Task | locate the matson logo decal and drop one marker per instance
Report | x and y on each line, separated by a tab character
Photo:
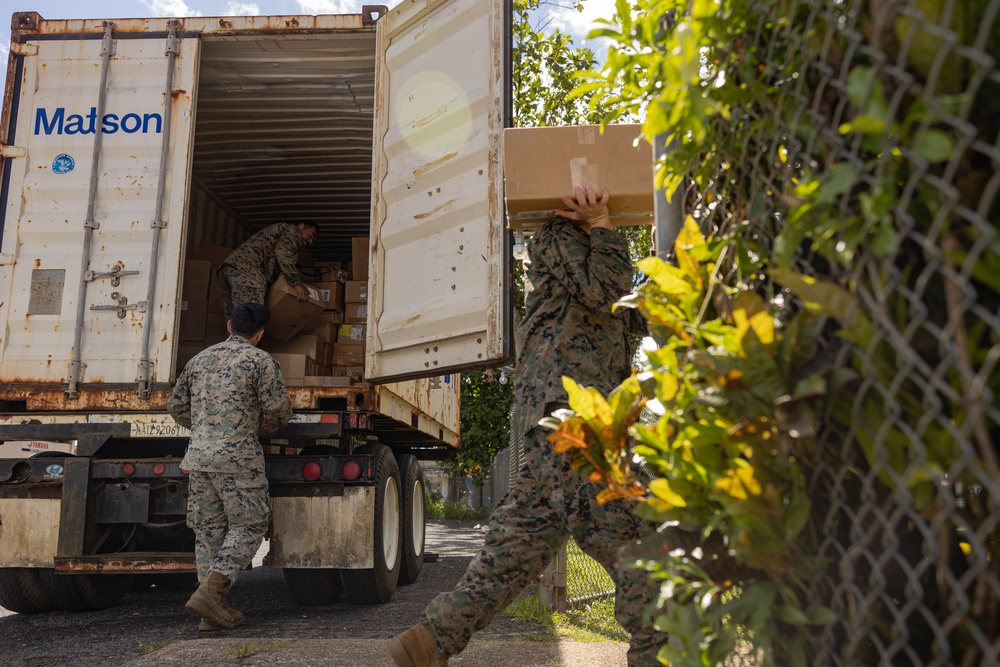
57	122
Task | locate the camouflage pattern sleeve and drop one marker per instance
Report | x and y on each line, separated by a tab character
274	400
286	252
595	273
179	403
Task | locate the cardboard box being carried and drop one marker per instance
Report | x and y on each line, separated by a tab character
289	315
541	164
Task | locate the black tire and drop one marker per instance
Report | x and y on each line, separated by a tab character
414	527
376	585
315	587
21	591
85	592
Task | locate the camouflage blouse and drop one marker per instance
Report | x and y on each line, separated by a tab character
568	327
222	396
271	252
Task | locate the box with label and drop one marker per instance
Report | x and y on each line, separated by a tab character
356	313
541	164
331	293
289	315
356	372
351	333
356	291
359	257
310	345
329	317
295	366
348	354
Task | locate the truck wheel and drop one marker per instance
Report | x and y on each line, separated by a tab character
412	478
316	587
376	585
85	592
21	591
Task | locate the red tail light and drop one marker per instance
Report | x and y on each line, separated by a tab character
128	469
351	470
159	469
311	471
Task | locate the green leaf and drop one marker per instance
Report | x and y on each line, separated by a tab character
825	298
934	146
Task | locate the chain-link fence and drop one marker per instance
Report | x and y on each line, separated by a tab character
892	110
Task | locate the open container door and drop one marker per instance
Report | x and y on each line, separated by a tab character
439	265
93	193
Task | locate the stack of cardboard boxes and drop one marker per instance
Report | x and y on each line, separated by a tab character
317	342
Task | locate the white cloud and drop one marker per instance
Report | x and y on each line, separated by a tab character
332	6
579	24
171	8
237	8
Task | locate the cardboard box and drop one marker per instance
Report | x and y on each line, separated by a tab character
330	317
323	272
327	331
356	372
359	257
193	316
326	381
295	366
198	271
216	254
310	345
356	313
351	333
289	315
541	164
215	328
349	354
327	359
356	291
331	293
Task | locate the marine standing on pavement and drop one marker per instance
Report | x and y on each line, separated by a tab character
251	269
578	268
224	395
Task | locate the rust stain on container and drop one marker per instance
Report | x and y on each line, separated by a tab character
434	211
434	163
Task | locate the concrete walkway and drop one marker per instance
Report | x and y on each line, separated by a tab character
374	653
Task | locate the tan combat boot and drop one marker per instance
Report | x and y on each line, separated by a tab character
416	648
209	602
235	614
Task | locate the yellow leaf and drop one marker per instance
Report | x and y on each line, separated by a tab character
739	483
661	489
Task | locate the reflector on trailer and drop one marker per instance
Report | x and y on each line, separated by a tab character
351	470
311	471
128	469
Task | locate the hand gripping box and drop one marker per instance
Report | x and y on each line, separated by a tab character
541	164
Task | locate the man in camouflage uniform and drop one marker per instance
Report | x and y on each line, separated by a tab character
249	272
578	268
225	394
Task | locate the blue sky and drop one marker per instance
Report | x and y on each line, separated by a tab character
560	14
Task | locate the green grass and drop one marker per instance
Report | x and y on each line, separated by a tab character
593	621
154	646
438	510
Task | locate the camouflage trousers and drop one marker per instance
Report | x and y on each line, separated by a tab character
548	503
239	287
229	514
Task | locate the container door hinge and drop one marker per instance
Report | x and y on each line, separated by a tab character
123	305
13	151
24	49
145	378
75	376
